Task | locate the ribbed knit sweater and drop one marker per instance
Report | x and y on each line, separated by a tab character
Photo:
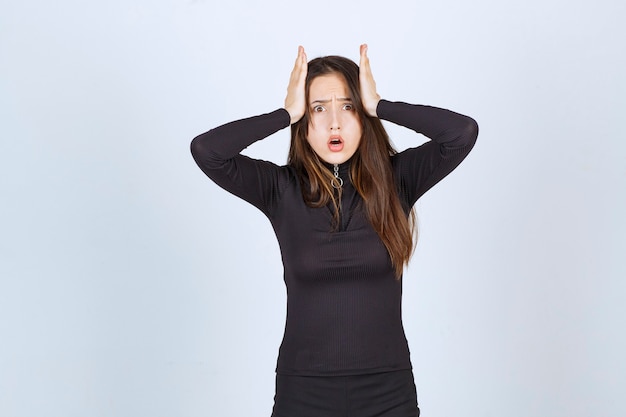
343	300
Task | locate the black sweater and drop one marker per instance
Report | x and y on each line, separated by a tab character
343	301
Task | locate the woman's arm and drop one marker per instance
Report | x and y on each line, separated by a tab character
217	152
449	129
452	136
219	145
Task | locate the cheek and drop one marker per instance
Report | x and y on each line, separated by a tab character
318	120
314	136
355	127
317	125
350	119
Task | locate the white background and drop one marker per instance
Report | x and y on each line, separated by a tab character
133	286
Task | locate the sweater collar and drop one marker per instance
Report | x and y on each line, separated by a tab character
344	168
341	172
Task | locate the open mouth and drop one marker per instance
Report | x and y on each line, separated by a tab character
335	143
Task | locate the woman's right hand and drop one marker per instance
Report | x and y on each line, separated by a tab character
295	102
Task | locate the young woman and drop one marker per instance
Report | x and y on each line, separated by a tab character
342	212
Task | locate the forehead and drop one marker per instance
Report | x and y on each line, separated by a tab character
328	85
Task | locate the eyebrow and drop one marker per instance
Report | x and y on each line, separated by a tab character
328	101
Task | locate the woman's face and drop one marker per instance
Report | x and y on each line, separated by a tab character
334	125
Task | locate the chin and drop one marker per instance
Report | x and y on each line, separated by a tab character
335	159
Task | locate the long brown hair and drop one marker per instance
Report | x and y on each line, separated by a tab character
370	169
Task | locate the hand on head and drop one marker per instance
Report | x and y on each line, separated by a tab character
369	96
295	102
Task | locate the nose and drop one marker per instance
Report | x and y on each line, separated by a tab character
335	123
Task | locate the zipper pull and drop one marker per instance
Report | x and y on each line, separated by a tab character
336	182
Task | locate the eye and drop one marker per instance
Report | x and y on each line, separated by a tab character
348	106
318	109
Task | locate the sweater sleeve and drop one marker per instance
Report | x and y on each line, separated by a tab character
452	136
217	153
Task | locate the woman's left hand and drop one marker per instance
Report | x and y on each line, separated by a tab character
369	96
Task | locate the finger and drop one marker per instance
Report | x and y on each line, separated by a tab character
303	60
303	67
363	52
297	66
300	52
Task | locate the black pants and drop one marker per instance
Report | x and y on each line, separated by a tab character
389	394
